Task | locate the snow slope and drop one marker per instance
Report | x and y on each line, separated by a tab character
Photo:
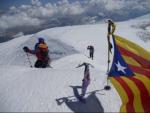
29	89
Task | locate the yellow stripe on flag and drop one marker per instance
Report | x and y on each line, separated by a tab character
122	94
145	80
132	47
137	100
131	61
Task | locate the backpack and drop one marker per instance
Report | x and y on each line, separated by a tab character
44	50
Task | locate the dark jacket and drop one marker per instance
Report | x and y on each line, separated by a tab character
91	48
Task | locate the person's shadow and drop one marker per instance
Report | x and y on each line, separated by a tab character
92	103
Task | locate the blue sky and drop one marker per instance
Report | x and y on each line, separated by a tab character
5	4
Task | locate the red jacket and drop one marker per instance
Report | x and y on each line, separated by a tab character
39	54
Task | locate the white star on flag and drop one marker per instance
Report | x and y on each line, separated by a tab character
120	67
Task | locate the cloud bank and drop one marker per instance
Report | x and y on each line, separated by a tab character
65	13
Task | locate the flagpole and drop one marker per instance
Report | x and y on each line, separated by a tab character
111	29
108	60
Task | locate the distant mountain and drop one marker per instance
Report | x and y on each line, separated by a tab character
37	16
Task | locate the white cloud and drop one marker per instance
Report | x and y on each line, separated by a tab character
111	5
38	13
36	2
21	19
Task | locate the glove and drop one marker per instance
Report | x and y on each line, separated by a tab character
26	49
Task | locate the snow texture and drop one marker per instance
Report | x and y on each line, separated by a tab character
25	89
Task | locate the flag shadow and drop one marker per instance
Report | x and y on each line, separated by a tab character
92	103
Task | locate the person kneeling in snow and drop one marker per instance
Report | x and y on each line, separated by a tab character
86	80
41	51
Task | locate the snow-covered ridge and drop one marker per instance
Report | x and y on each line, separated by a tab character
57	49
142	24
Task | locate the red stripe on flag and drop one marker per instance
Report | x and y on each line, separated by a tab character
140	70
145	63
129	105
143	93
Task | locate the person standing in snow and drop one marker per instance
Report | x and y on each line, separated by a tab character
86	79
41	51
91	51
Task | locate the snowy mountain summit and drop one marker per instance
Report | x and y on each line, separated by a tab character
26	89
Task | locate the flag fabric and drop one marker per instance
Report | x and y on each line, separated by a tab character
130	75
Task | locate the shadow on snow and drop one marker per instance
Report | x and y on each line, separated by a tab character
92	103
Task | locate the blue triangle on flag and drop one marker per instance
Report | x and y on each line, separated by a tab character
119	66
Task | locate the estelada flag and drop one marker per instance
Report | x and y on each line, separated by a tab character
130	75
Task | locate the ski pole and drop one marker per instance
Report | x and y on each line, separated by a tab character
29	60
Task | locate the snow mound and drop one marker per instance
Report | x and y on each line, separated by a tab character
57	48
